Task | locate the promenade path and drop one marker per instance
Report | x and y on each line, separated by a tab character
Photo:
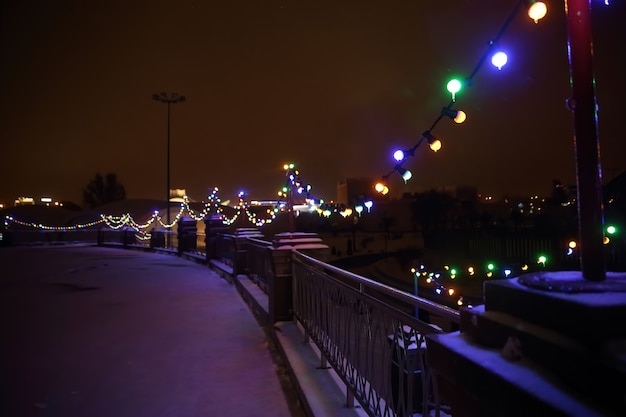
102	332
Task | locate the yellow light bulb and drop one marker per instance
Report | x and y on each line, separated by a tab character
537	11
435	145
460	117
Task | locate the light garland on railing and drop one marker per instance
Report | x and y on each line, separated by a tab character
213	205
9	219
126	220
244	207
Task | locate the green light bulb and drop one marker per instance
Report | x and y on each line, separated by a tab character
454	86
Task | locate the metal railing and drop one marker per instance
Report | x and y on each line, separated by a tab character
224	249
259	262
365	330
376	348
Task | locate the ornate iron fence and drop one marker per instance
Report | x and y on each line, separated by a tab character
375	348
259	261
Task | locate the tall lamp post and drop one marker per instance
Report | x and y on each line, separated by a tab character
168	99
586	143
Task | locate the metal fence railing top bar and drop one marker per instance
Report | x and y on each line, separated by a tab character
442	311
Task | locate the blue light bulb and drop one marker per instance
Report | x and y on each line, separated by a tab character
398	155
499	59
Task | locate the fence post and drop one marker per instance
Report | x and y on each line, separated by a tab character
213	226
280	290
157	239
187	235
240	260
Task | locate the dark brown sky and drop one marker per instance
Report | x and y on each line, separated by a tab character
334	86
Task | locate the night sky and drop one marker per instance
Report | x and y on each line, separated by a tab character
333	86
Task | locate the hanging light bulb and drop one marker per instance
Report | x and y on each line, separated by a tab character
537	10
433	142
381	188
454	86
399	155
499	60
458	116
406	174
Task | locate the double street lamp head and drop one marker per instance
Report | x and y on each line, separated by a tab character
168	98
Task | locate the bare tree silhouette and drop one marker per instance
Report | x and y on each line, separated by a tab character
101	190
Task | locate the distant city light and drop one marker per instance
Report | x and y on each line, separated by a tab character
24	201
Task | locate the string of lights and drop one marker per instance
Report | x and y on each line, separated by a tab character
213	205
10	219
536	11
441	279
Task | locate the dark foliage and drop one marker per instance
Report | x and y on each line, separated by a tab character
102	190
